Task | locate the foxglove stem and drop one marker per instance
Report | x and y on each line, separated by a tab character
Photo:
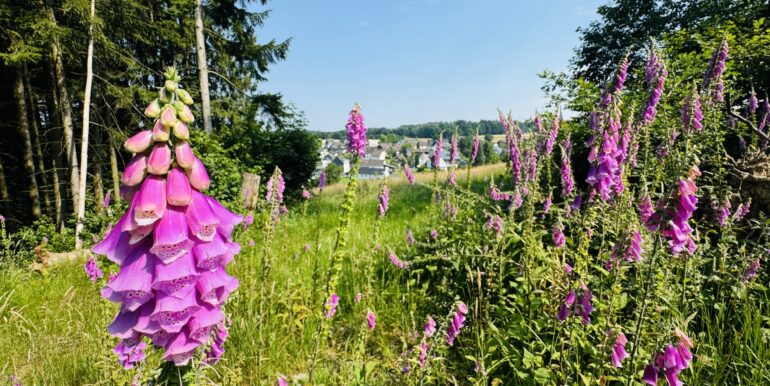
645	295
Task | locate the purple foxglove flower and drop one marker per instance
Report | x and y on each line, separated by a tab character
567	268
650	376
184	113
217	347
181	131
321	180
743	210
180	349
198	176
584	308
305	194
168	116
475	149
184	155
454	151
247	221
252	243
160	133
619	350
753	102
495	223
409	237
106	201
153	109
130	352
133	285
356	131
150	201
371	319
547	204
723	212
751	271
159	160
140	142
177	278
383	199
434	234
171	239
552	136
408	173
396	261
200	217
567	182
331	306
430	327
438	151
558	236
215	286
451	178
93	271
135	171
204	321
281	381
423	348
457	323
178	190
645	209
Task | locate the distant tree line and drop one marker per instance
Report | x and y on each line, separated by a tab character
429	130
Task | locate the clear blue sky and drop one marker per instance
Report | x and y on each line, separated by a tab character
415	61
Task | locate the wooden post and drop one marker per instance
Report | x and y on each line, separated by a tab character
250	190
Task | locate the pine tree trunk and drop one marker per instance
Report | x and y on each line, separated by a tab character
97	158
26	143
65	109
57	159
86	122
36	146
4	197
203	70
115	174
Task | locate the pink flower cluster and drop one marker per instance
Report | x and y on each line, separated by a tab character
173	245
619	352
655	75
408	173
671	361
672	219
475	149
438	151
582	307
383	199
356	131
396	261
454	150
457	323
495	223
628	248
692	114
567	182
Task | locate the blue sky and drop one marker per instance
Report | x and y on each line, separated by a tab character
415	61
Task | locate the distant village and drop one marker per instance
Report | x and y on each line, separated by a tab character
382	159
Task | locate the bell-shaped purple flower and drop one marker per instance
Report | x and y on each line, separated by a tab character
199	177
178	190
171	239
135	171
150	201
159	160
139	142
184	155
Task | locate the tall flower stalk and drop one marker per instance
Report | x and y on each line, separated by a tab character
173	244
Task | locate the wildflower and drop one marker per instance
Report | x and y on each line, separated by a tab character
217	346
567	268
172	285
475	149
670	362
530	160
619	350
547	205
451	178
321	180
751	271
495	223
93	271
454	151
656	74
628	248
434	234
383	199
558	236
672	219
2	219
457	323
130	352
356	131
247	221
723	212
331	306
423	348
437	153
408	173
370	319
281	381
584	308
358	297
743	210
409	237
753	102
566	307
430	327
567	182
395	260
251	242
516	199
305	194
496	194
645	209
552	136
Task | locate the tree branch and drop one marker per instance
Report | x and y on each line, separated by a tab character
744	120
